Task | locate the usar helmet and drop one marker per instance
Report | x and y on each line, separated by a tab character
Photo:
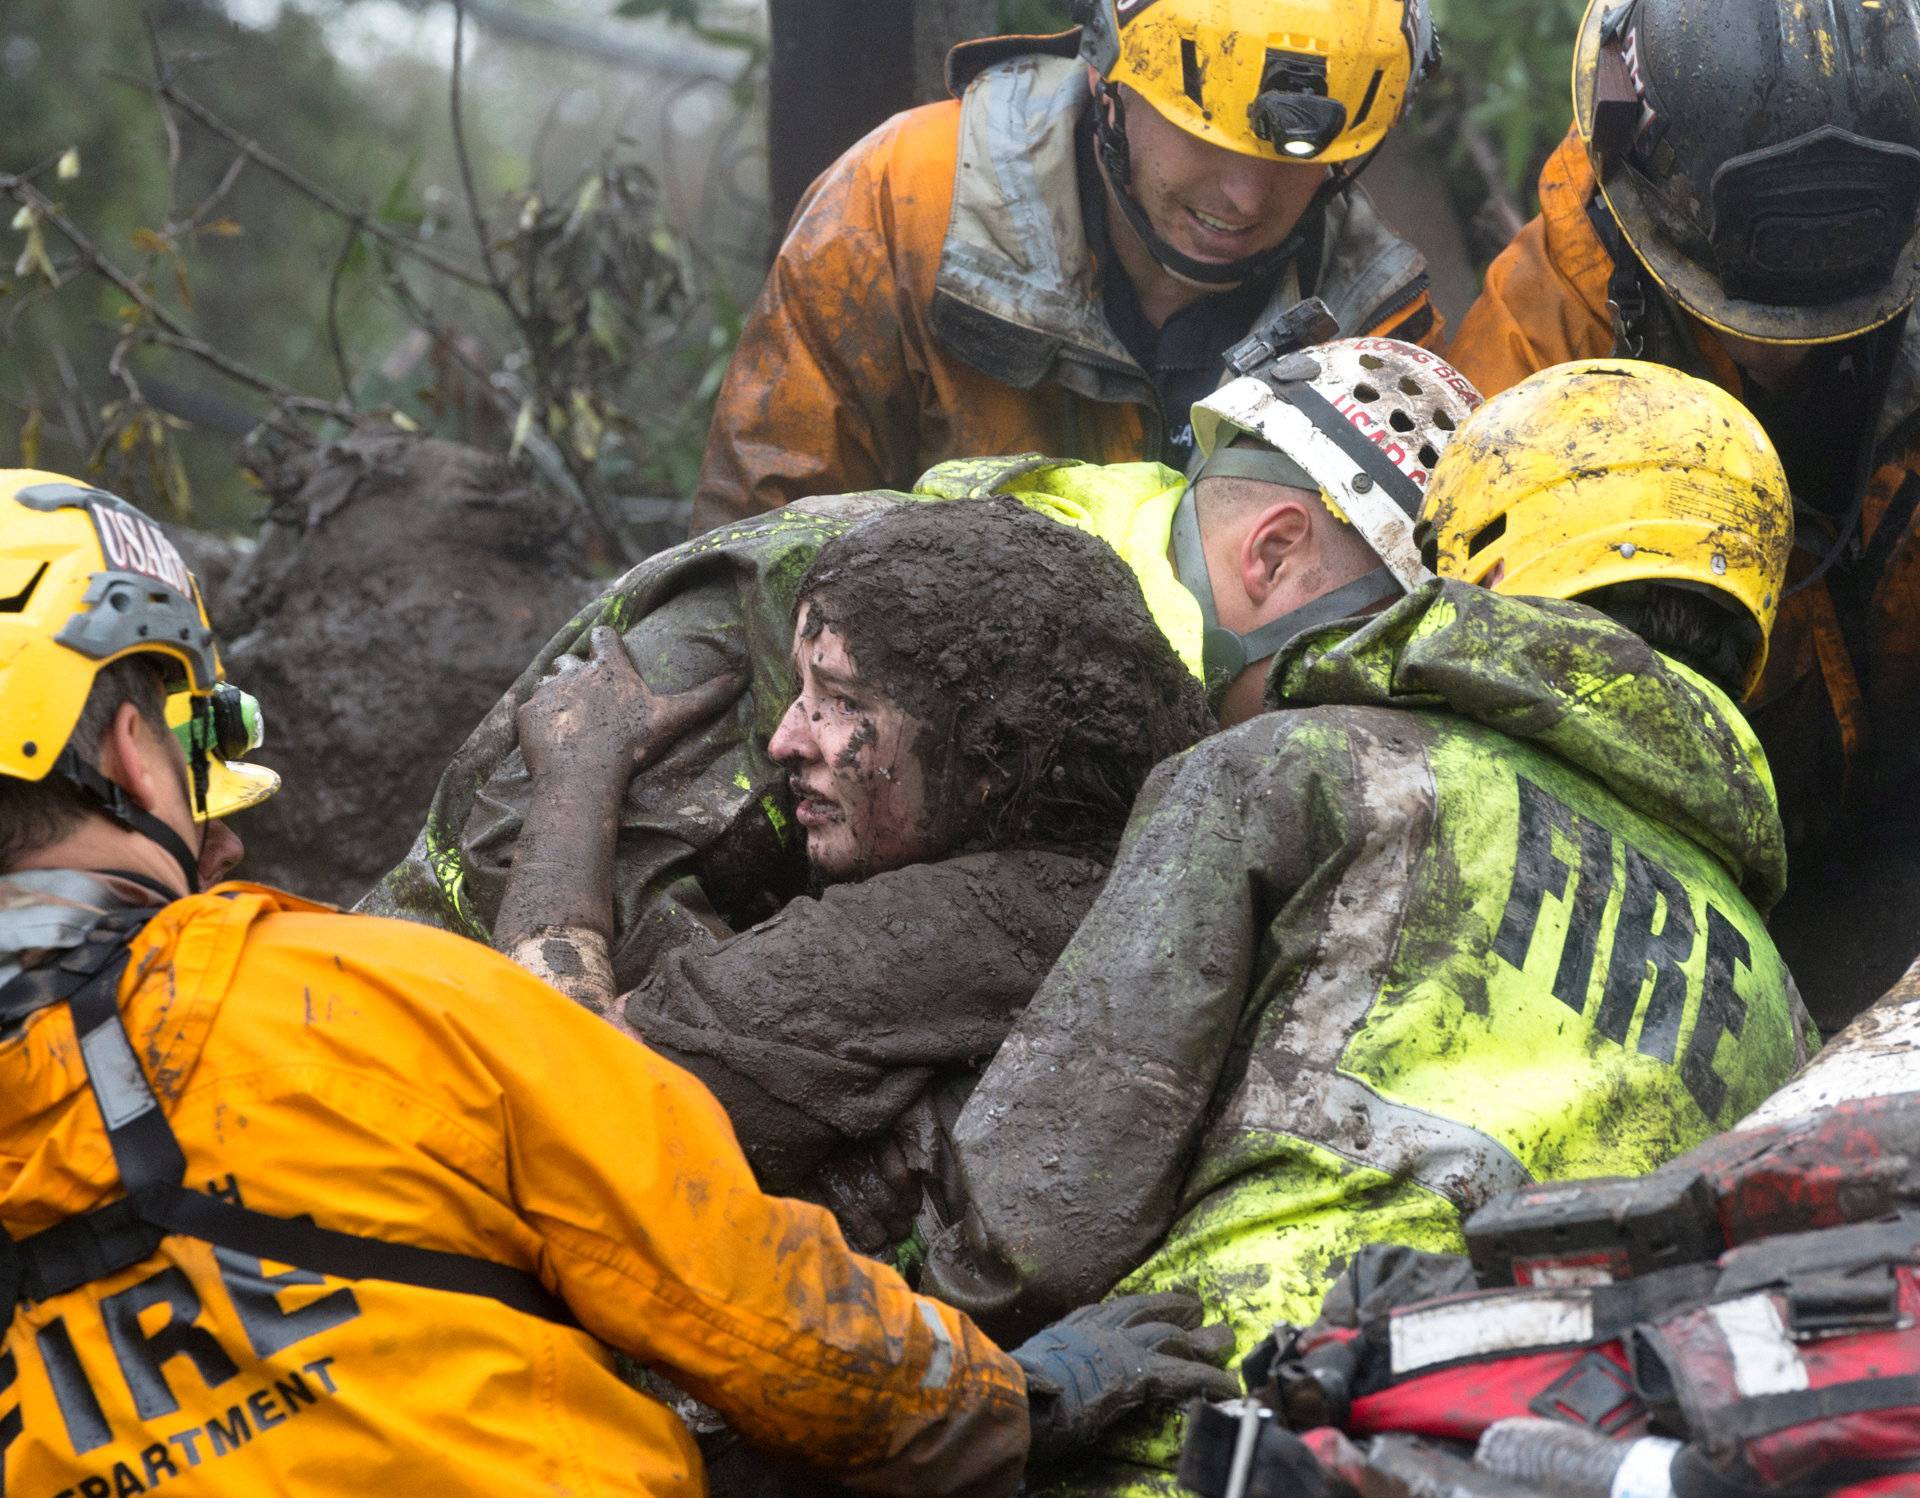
1363	421
87	580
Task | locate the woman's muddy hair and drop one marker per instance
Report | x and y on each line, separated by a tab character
1026	648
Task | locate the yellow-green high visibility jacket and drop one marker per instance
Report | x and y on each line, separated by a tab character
1128	505
1477	903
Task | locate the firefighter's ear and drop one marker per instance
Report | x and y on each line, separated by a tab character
137	759
1273	548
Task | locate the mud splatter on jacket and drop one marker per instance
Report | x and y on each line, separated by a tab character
1839	709
380	1077
936	298
812	1031
1477	903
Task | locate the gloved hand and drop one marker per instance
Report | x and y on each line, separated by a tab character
1101	1362
596	719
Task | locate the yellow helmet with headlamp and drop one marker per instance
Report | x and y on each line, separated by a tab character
87	580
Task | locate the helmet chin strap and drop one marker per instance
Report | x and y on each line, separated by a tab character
1116	161
1225	653
114	801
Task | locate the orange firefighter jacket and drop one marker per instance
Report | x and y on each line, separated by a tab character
398	1082
1839	708
936	298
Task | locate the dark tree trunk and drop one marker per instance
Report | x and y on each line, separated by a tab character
937	25
840	67
837	69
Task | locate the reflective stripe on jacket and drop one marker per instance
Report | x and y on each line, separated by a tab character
908	319
402	1084
1478	903
1839	709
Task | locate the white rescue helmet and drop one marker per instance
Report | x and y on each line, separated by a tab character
1362	420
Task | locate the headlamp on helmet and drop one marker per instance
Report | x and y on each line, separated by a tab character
91	581
1292	111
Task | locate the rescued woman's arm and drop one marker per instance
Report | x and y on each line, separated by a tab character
584	734
1068	1160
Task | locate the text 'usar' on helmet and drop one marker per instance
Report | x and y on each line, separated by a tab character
87	580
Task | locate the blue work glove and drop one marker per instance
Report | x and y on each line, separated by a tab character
1101	1362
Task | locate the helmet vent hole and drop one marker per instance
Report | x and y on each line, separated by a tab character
1400	421
1372	361
1428	457
1365	393
1409	385
1443	421
17	604
1492	531
1191	76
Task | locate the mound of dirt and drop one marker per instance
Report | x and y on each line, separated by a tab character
400	585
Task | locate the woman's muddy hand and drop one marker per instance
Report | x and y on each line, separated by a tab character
596	719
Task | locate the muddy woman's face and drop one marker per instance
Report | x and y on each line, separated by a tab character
859	787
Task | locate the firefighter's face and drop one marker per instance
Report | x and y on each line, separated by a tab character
859	785
1206	201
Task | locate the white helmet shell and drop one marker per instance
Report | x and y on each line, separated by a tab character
1366	418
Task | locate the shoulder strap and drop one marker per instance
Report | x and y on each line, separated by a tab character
152	1166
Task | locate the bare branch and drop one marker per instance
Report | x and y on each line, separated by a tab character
219	194
72	402
480	230
164	73
305	185
166	329
333	313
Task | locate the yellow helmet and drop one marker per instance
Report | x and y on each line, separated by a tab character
86	580
1293	80
1612	471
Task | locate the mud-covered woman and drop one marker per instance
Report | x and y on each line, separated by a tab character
981	695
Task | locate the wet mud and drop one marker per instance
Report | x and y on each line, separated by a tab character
1026	649
400	585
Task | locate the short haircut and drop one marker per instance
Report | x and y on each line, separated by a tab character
36	813
1688	623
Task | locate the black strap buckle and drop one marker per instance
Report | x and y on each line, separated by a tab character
1820	1305
80	1250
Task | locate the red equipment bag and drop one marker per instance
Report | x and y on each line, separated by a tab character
1792	1366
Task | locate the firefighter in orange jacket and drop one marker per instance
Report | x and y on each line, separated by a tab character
1057	260
1737	199
298	1201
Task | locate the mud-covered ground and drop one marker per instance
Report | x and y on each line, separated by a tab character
399	587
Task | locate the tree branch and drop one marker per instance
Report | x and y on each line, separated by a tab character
303	184
480	230
167	329
333	314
